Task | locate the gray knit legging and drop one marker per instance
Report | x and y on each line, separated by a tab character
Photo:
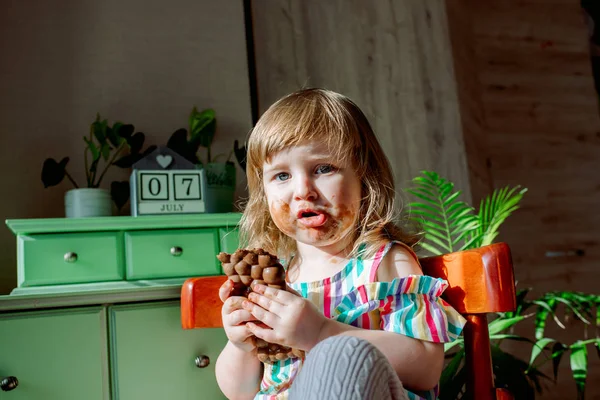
346	368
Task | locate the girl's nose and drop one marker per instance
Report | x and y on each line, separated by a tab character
305	189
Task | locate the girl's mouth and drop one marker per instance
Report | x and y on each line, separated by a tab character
311	218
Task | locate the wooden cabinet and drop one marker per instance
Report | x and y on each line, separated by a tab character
153	358
97	315
55	355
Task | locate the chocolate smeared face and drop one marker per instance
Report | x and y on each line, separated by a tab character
312	198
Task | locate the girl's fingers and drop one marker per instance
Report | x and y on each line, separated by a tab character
261	332
261	314
231	304
240	316
280	296
266	303
239	333
225	290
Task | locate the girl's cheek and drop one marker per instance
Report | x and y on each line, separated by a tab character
280	213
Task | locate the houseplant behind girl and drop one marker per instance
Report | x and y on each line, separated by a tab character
322	199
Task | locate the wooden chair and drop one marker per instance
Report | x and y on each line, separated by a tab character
480	281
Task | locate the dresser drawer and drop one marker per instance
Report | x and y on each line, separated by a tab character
172	253
70	258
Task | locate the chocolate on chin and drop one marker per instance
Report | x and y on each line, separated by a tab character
247	268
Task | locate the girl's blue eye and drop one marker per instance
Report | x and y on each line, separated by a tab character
325	169
282	176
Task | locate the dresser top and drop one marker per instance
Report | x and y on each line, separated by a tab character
172	221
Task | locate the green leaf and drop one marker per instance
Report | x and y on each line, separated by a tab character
426	214
434	210
432	249
451	198
99	130
202	126
506	336
452	368
495	209
447	221
437	233
432	203
105	151
544	309
573	308
93	149
538	348
557	352
53	172
579	366
500	324
435	240
450	345
425	191
452	378
510	372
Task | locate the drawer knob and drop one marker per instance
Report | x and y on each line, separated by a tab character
176	251
9	383
70	257
202	361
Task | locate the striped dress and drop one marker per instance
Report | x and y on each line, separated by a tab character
411	306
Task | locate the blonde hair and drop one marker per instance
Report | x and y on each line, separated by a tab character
329	117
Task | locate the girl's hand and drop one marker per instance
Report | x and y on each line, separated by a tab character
235	319
291	320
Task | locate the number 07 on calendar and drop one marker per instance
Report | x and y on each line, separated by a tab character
168	192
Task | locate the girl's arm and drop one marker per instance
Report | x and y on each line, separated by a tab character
418	363
238	372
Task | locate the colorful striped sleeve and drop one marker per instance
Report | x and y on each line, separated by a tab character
411	306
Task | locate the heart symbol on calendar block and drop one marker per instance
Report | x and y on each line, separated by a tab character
164	161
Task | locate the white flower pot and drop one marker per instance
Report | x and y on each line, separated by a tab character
88	202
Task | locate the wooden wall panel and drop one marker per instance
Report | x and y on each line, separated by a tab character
392	58
460	23
542	128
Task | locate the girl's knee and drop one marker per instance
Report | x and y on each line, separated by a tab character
353	346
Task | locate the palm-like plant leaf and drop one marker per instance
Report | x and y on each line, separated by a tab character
453	377
493	210
514	374
451	225
447	221
579	367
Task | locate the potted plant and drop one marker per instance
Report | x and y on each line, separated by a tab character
450	225
104	147
220	170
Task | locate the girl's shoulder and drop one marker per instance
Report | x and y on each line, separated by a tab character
394	260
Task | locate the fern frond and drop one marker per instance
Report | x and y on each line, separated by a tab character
446	220
494	210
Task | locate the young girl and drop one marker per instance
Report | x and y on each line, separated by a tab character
322	199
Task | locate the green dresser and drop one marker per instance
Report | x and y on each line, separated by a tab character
96	312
